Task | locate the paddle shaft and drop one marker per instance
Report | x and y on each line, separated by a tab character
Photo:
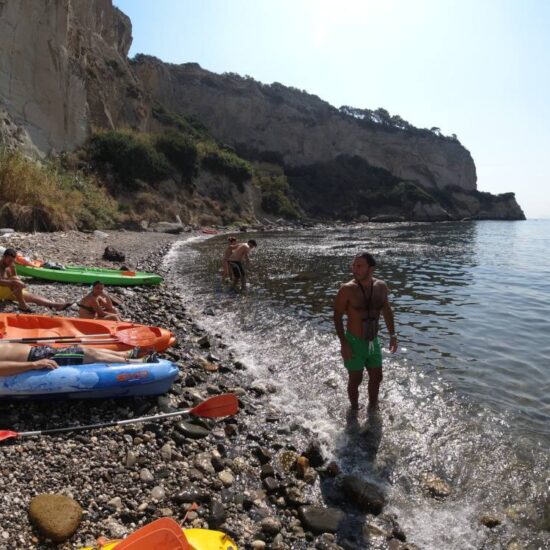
105	424
50	338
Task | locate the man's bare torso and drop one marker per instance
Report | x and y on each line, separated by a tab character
356	309
239	253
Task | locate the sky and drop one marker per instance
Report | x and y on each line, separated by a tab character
475	68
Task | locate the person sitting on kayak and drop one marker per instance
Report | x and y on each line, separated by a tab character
97	304
18	358
238	256
13	289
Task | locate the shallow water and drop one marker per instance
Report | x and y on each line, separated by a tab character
467	395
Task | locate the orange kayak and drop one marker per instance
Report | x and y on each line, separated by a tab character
16	326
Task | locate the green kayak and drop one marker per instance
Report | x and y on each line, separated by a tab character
88	275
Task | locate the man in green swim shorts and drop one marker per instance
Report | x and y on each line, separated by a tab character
362	300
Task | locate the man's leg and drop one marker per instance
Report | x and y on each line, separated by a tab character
375	378
40	301
21	298
354	381
98	355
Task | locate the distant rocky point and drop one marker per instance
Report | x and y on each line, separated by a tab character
252	151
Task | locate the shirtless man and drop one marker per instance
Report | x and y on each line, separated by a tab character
97	304
18	358
12	288
362	300
238	256
231	245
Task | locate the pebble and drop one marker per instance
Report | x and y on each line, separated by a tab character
146	476
158	493
226	477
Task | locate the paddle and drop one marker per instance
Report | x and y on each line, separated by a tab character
135	336
226	404
161	534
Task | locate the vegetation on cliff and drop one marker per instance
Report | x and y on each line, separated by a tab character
48	197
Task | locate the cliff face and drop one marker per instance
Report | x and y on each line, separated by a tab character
300	128
64	73
64	70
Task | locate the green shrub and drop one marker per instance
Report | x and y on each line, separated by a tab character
130	156
181	151
228	164
275	198
71	199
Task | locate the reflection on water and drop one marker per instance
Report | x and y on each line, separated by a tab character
467	395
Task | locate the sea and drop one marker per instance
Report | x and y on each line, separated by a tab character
465	398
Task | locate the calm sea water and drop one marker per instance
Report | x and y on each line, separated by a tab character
467	396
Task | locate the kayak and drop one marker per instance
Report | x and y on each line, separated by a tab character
88	275
198	539
93	380
16	326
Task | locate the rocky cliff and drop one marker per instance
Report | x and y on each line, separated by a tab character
64	71
64	74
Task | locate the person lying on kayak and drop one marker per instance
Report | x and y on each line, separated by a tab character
97	304
13	289
18	358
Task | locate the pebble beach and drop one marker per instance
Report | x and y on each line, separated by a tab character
253	476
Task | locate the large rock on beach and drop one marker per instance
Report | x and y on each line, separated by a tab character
57	517
321	520
113	255
366	496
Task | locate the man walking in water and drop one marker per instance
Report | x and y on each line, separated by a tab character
238	256
362	300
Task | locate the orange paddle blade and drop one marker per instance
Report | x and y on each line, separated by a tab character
136	336
226	404
8	434
128	273
162	534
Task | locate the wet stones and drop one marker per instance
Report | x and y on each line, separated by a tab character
57	517
435	486
366	496
320	520
314	454
192	431
490	520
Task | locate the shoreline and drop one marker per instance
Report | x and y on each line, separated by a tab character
126	477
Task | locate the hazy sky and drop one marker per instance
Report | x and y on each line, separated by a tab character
475	68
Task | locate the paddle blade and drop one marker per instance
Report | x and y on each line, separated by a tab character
226	404
136	336
162	534
8	434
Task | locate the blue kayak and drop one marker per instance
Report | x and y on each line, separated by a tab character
94	380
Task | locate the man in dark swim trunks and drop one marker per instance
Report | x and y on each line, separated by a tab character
239	255
362	300
18	358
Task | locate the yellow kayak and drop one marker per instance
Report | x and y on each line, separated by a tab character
198	539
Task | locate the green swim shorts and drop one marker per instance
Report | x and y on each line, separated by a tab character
362	355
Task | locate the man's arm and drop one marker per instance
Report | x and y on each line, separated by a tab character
8	368
390	323
10	279
340	308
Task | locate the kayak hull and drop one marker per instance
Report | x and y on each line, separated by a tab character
15	326
88	275
198	539
94	380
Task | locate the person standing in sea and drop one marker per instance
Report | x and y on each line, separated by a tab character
362	300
